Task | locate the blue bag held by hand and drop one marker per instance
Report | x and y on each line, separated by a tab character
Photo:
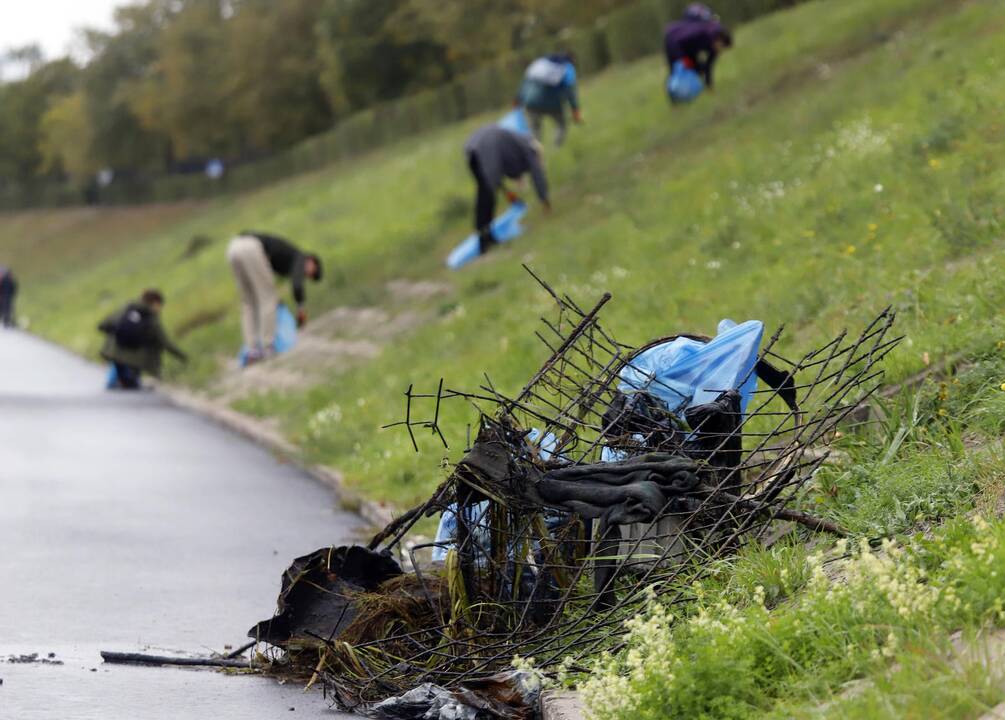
684	83
516	121
286	334
504	228
286	329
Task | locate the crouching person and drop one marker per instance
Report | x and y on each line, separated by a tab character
136	340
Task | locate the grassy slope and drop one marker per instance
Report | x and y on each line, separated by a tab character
761	200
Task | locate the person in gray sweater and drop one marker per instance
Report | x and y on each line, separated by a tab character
494	154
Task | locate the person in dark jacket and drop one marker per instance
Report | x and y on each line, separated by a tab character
136	340
494	154
256	259
696	44
549	84
8	294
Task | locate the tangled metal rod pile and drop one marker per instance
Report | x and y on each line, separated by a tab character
575	497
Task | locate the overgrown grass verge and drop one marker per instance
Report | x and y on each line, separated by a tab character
853	618
897	621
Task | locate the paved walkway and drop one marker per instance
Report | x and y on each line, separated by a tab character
127	524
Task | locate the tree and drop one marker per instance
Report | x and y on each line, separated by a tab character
179	80
121	61
274	94
25	60
66	139
363	62
182	96
22	105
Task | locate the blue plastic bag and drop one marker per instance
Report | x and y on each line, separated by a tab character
684	372
515	120
504	228
684	84
286	334
112	378
446	533
286	329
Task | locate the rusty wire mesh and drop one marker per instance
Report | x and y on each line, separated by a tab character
522	577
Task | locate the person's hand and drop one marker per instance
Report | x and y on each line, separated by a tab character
577	116
512	197
301	317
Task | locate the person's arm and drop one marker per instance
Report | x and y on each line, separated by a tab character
165	343
176	351
109	324
670	48
540	180
297	278
707	68
572	97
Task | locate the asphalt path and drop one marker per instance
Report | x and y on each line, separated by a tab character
127	524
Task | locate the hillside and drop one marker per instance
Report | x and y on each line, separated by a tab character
850	159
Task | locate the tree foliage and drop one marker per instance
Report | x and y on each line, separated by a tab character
178	81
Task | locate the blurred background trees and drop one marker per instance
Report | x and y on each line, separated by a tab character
177	82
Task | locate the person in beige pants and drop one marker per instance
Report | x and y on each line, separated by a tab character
256	259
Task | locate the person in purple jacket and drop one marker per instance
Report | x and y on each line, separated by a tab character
696	43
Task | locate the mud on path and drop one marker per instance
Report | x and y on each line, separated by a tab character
333	342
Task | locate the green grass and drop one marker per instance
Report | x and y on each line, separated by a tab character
881	617
849	159
813	628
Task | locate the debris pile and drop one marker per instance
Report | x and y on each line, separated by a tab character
33	658
580	494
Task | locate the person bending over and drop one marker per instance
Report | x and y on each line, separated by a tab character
135	340
696	44
549	84
256	259
495	154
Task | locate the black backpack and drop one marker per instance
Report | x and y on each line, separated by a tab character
135	328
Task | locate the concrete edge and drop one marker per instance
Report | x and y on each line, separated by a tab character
264	436
562	705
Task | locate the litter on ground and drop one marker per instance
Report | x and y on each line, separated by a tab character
616	472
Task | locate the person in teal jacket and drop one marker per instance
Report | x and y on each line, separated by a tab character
549	84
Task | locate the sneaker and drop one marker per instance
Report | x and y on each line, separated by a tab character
253	356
